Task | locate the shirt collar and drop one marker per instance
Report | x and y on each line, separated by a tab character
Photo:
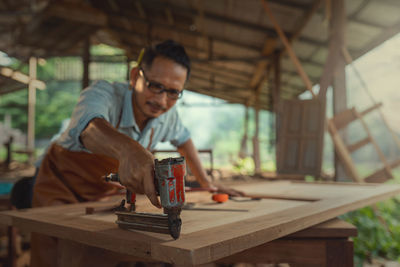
127	118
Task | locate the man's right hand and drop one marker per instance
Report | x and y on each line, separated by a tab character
136	171
136	164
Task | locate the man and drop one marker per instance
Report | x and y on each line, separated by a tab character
110	129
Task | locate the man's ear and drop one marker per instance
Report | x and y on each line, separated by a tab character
133	76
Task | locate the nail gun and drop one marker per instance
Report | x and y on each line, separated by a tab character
169	180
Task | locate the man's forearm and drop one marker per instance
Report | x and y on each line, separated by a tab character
136	164
101	137
191	155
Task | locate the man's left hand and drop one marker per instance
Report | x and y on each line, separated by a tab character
226	190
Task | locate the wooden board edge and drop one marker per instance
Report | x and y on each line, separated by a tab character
234	242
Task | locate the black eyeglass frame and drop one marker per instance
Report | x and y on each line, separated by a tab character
158	88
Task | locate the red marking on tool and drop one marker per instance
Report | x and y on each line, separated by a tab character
179	174
171	190
133	197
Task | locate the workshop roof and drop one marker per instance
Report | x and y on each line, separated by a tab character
225	39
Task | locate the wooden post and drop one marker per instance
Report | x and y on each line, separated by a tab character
243	144
86	63
256	142
337	32
31	107
128	68
276	96
277	81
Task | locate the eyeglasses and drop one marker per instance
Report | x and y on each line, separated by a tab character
158	88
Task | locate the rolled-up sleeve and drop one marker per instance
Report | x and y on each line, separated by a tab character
94	102
177	133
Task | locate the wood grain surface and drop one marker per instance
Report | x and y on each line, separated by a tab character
210	231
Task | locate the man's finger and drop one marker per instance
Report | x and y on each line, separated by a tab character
154	200
117	185
150	191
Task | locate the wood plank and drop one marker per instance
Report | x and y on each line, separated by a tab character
207	235
302	252
30	144
22	78
380	176
299	252
333	228
261	67
368	110
343	153
289	49
79	12
300	137
359	144
394	164
376	146
219	242
344	118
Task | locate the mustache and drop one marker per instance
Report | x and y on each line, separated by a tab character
156	105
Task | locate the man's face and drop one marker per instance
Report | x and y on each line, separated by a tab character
164	72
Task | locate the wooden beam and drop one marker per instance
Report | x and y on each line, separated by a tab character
140	10
260	70
260	60
117	21
11	90
188	12
289	49
52	38
276	98
335	55
22	78
80	34
310	11
31	107
227	85
291	4
226	79
343	153
277	81
86	63
337	33
169	16
223	72
79	12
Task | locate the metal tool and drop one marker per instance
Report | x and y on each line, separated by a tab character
169	180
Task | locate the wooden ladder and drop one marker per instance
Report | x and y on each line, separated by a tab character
341	121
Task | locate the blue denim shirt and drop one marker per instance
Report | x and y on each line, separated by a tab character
113	102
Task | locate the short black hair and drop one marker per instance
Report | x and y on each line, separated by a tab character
169	49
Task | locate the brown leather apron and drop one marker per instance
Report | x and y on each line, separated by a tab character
70	177
67	177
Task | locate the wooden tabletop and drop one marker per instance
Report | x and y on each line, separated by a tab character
210	231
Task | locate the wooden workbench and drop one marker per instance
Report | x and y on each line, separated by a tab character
210	231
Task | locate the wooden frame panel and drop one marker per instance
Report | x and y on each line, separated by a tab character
300	137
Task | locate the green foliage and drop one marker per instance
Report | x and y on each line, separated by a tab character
54	105
378	231
15	104
103	49
244	166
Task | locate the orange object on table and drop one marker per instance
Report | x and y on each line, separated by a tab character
220	198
